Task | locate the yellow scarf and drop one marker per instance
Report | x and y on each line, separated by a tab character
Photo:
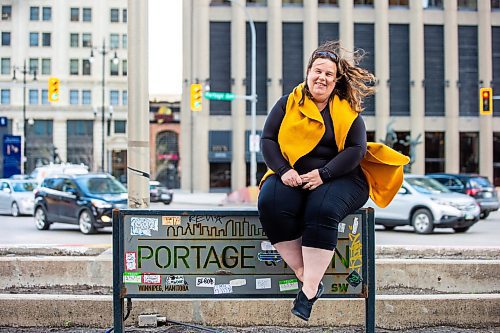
302	128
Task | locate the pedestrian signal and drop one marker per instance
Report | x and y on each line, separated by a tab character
53	89
196	97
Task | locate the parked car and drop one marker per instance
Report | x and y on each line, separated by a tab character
478	187
159	193
16	196
86	200
425	204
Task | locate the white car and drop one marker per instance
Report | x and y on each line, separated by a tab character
16	196
425	204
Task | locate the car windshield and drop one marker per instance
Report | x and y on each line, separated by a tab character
101	185
427	185
23	186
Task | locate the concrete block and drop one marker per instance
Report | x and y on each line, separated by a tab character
149	320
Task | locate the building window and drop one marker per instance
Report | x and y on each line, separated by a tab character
125	41
86	67
120	126
87	14
124	16
33	65
399	3
86	97
46	66
399	69
115	15
219	3
467	4
34	13
73	97
5	63
125	97
328	3
5	97
47	13
114	97
434	152
74	14
46	37
87	40
435	4
124	67
495	4
73	40
5	38
114	41
33	96
73	66
220	176
45	96
113	68
286	3
34	38
6	12
469	152
363	3
496	158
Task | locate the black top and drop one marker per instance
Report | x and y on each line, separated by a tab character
325	156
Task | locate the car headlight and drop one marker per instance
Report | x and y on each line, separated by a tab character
100	203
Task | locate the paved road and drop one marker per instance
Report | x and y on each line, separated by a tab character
22	231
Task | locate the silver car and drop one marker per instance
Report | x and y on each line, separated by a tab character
16	196
425	204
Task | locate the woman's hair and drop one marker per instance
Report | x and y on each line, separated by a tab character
353	83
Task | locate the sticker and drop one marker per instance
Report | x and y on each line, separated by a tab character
273	256
267	246
341	227
171	220
148	278
205	282
142	226
238	282
354	227
174	280
264	283
223	289
354	279
288	285
130	277
130	261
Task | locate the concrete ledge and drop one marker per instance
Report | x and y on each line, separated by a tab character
435	275
393	312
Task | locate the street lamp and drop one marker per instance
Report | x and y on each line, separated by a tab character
103	51
24	71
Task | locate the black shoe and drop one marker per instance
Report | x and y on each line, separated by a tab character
302	306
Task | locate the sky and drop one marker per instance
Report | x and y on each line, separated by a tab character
165	47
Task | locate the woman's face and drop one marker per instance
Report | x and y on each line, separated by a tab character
321	79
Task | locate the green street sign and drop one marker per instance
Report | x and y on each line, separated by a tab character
219	96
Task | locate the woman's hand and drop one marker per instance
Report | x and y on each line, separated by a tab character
311	180
291	178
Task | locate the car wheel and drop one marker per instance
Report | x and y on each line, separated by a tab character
14	209
422	221
41	221
389	227
460	230
484	215
86	222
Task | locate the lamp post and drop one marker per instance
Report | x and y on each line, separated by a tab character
103	51
24	71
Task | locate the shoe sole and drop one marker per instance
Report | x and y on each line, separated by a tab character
298	314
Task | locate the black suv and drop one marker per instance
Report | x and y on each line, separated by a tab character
476	186
86	200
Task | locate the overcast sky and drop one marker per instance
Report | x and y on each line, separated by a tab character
165	47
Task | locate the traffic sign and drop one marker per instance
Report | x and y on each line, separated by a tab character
219	96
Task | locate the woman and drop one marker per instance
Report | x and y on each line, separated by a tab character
313	143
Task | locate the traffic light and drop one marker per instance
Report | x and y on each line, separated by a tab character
486	101
53	89
196	96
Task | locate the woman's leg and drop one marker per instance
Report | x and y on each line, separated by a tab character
280	213
316	262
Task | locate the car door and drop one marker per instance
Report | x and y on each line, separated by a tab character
399	208
4	197
52	195
68	205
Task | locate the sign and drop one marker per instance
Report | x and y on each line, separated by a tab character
225	254
254	143
219	96
11	155
3	121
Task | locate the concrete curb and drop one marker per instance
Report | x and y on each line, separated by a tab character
393	312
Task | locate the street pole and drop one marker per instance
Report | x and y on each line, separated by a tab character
253	99
103	100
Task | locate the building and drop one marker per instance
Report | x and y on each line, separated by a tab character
55	39
430	59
